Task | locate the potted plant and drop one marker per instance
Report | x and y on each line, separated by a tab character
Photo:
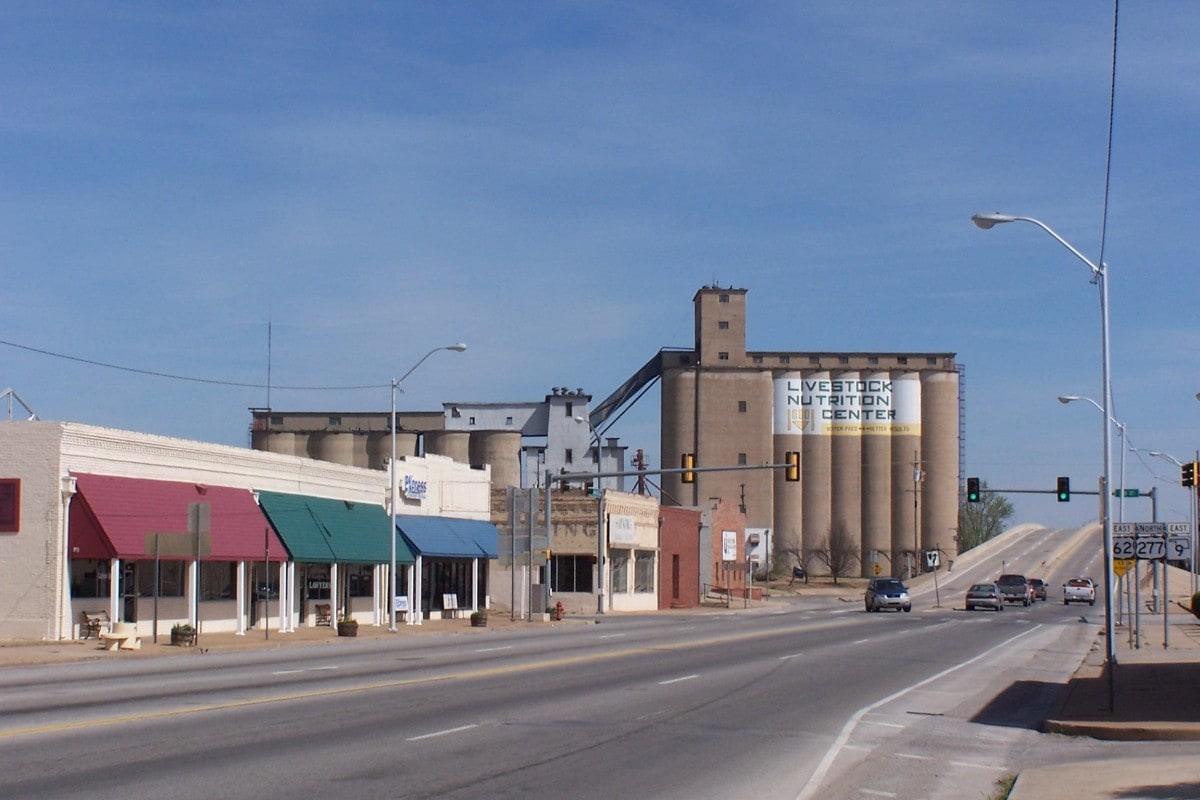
183	634
347	625
479	618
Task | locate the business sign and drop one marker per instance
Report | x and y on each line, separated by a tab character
819	405
729	545
620	529
414	488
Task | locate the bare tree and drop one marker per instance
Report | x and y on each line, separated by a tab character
799	566
838	552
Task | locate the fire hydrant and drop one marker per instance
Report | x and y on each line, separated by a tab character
558	611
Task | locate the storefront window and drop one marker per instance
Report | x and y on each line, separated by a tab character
643	572
619	560
317	583
216	579
571	574
360	580
170	579
89	578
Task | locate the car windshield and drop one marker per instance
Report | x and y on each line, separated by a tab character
890	586
983	587
1010	579
1078	582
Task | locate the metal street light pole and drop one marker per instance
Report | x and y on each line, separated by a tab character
1100	278
1068	398
393	500
599	520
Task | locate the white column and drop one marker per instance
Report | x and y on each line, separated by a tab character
114	589
474	584
65	616
418	592
408	615
194	593
244	598
379	589
333	593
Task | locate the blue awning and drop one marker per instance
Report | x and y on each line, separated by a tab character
447	537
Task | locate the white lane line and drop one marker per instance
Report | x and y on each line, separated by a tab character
494	649
814	781
446	732
612	636
793	655
298	671
914	756
860	641
883	724
677	680
877	793
972	764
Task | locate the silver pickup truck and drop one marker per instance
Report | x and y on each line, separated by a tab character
1079	590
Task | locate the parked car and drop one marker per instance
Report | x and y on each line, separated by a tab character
1015	589
887	593
984	595
1039	588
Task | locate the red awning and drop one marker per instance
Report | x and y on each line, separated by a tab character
116	517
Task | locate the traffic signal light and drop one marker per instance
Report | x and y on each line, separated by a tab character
1187	474
688	463
973	490
1064	489
792	471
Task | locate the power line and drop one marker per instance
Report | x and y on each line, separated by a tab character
188	378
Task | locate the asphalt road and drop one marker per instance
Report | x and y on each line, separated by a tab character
809	698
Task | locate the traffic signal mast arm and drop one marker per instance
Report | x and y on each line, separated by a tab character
587	476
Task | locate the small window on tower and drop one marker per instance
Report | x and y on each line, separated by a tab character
723	324
741	459
723	298
722	356
741	406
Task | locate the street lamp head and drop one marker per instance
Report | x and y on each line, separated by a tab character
458	347
1068	398
988	220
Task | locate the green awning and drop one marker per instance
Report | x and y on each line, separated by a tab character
317	530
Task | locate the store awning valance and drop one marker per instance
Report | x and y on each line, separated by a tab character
116	517
448	537
318	530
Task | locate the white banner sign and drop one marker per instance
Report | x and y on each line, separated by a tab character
858	406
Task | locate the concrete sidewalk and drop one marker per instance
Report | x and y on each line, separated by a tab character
27	653
1154	697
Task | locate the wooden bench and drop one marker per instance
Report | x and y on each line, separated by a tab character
324	614
92	622
123	636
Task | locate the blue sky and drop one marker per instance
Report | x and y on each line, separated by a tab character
551	183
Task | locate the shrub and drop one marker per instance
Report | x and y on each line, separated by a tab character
1196	604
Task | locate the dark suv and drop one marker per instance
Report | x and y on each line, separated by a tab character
887	593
